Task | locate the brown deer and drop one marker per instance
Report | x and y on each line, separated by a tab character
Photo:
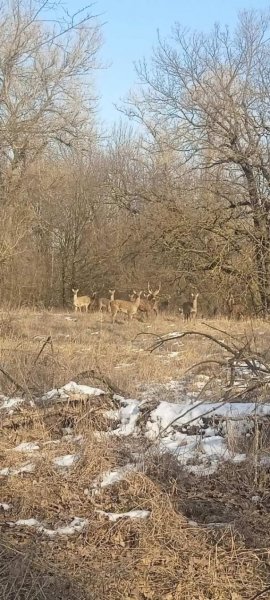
125	306
81	301
106	302
153	294
146	306
190	308
235	309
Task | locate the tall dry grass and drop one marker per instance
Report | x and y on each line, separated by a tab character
164	557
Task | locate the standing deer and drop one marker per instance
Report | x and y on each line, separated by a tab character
127	307
106	302
146	306
194	309
190	308
81	301
235	309
153	294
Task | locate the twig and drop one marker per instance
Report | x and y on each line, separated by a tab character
12	380
233	337
267	589
47	341
199	333
91	373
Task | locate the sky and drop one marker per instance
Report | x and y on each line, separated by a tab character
130	33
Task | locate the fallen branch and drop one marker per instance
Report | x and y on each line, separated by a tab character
12	380
267	589
92	374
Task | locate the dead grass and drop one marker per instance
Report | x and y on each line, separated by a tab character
160	558
155	558
118	351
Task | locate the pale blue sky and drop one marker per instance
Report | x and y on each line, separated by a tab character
130	33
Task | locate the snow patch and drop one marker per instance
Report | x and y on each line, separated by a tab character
65	461
132	514
111	477
128	415
72	388
76	525
27	447
5	506
26	468
9	404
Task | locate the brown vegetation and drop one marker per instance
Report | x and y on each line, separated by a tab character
184	201
165	554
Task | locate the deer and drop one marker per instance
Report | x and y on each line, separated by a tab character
81	301
125	306
153	294
190	308
106	302
146	306
235	310
194	309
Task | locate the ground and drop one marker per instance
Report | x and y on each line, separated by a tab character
96	455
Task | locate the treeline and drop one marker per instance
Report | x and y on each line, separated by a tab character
183	199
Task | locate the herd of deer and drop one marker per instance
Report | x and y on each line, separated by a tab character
149	304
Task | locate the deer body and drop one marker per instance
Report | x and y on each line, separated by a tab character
81	301
127	307
106	302
190	308
235	309
186	309
194	308
147	305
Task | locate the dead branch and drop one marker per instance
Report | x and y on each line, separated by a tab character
18	386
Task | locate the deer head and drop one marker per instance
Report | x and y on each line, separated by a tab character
151	293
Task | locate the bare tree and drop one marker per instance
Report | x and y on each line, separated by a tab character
210	93
45	65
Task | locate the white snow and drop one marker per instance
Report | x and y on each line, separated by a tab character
199	453
76	525
72	388
238	458
166	412
202	469
5	506
86	390
128	415
10	403
27	447
26	468
65	461
27	522
215	447
132	514
111	477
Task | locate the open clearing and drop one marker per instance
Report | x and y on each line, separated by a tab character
102	496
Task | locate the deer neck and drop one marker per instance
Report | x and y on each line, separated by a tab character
195	302
137	301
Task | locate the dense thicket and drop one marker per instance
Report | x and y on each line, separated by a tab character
184	200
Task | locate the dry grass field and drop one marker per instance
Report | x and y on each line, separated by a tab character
176	553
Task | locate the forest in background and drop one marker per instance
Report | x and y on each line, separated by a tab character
177	192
